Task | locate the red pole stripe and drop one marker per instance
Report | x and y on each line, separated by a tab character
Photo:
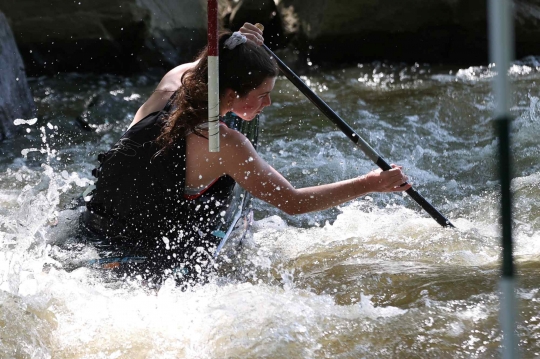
212	28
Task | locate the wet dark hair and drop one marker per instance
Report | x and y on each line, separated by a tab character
241	69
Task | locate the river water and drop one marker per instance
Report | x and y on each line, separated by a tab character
373	278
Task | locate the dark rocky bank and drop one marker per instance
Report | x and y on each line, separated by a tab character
126	36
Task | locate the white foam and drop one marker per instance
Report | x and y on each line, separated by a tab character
20	121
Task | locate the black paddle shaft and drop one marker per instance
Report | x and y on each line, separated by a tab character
349	132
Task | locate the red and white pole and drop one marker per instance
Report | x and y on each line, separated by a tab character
213	77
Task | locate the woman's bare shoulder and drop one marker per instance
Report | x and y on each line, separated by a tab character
228	137
233	145
232	138
172	79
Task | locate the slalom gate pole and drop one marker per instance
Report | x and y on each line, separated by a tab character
213	77
501	53
353	136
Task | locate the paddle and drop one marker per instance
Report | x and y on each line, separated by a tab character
349	132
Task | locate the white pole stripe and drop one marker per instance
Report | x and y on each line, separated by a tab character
501	52
213	103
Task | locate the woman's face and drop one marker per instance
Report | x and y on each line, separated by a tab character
250	105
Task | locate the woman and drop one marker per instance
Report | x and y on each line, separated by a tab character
160	192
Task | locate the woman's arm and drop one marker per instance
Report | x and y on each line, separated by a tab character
241	161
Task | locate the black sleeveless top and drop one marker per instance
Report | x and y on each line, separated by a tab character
140	189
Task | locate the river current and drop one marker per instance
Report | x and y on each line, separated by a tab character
374	278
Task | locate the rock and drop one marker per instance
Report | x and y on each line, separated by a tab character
117	36
176	31
527	31
126	36
16	101
441	31
257	11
